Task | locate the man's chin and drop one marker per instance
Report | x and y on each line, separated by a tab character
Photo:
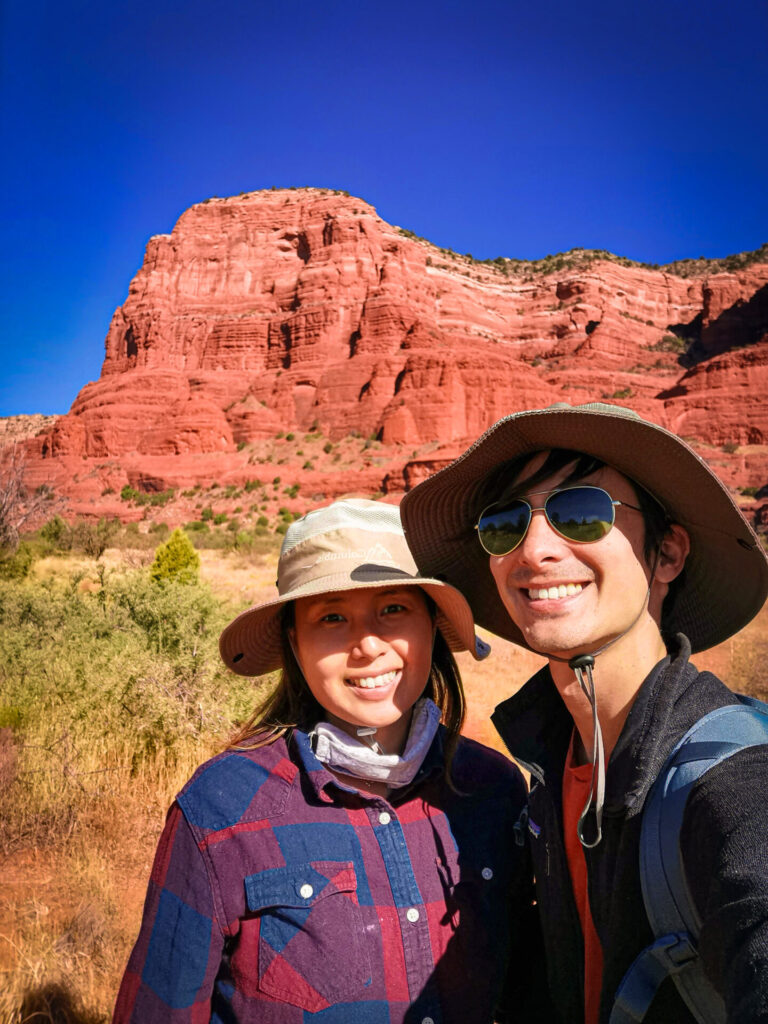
559	645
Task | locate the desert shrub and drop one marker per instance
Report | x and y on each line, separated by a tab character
54	531
195	526
176	559
93	538
211	540
206	514
670	343
219	518
262	521
97	685
16	565
153	498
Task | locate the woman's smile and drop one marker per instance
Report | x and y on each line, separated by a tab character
378	682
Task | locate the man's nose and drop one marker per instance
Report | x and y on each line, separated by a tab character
541	542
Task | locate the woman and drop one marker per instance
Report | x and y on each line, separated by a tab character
350	858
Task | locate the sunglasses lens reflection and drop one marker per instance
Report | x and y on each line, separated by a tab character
582	514
502	527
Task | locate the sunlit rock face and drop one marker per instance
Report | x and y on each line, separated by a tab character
299	310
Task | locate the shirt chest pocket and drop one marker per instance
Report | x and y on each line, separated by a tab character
310	950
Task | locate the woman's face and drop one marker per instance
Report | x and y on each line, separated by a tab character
366	656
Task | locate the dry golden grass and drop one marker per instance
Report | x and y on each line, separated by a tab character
71	900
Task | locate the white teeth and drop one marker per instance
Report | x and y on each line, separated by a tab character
371	682
555	593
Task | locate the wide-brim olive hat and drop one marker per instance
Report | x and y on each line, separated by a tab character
725	582
351	544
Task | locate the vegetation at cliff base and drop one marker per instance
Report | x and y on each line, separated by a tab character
176	560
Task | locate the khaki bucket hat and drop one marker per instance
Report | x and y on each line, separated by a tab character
725	582
352	544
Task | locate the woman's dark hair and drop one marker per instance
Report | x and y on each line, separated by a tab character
291	705
506	482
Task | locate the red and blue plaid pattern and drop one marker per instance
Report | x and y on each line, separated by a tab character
279	895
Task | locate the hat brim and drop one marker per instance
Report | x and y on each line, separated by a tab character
726	574
251	644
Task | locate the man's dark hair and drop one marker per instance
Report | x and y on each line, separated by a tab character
505	482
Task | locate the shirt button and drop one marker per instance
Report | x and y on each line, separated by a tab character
306	891
384	818
427	1020
412	915
487	874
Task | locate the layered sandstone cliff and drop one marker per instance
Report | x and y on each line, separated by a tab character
302	310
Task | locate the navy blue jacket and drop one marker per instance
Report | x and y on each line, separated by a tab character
724	843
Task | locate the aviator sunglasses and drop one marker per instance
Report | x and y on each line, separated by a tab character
583	514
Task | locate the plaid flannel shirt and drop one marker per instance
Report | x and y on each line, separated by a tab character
280	895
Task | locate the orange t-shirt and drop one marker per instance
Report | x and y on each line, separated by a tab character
576	779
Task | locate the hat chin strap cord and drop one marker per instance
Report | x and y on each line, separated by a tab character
582	665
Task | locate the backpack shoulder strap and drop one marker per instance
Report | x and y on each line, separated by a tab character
671	912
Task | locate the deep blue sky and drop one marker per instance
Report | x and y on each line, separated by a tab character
497	127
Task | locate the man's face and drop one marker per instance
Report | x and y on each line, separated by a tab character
601	587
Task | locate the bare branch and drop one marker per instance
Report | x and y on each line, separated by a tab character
19	507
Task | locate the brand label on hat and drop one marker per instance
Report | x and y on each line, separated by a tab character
377	553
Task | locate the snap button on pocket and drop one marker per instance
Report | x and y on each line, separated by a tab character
487	874
306	891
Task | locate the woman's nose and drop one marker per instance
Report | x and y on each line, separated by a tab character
367	645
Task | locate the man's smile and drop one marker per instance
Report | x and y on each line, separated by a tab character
554	592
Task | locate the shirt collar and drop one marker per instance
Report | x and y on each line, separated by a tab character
327	787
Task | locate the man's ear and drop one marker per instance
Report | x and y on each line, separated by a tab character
672	553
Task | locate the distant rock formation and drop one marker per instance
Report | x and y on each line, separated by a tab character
302	310
19	428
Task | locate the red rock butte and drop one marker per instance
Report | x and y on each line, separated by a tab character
287	311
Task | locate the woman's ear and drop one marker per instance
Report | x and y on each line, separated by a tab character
673	552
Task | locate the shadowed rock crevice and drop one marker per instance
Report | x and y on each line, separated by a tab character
742	324
131	348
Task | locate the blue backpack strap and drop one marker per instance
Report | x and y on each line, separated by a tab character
671	912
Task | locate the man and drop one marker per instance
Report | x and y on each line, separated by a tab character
606	544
